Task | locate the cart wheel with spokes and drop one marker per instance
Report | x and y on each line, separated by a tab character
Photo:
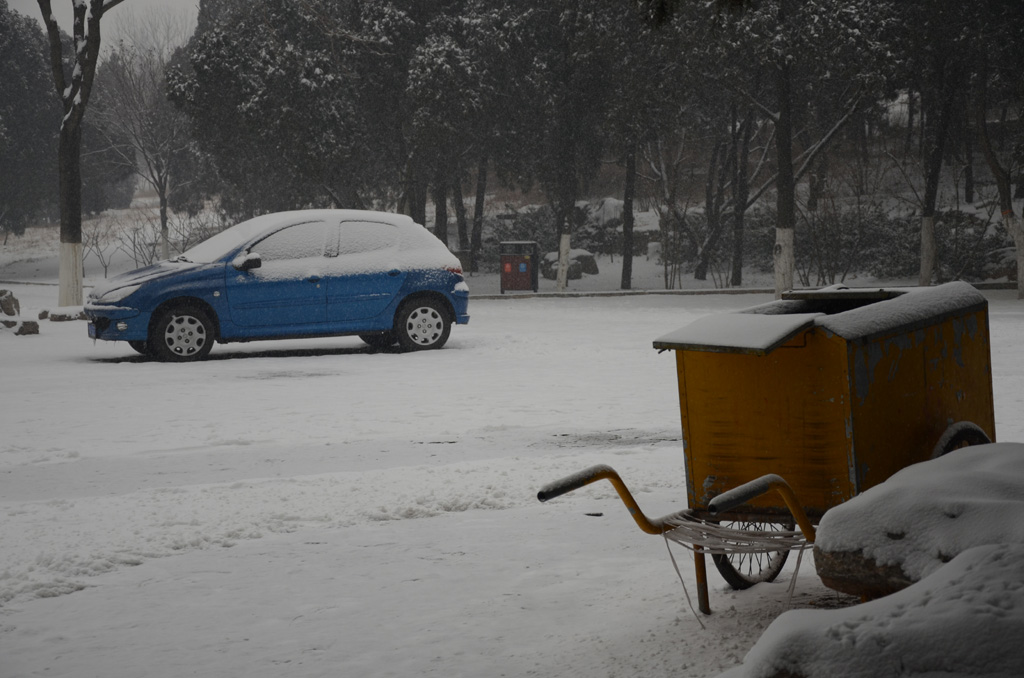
743	570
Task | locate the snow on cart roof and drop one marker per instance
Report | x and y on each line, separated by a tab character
737	333
851	313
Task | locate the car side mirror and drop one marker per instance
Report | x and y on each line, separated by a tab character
247	262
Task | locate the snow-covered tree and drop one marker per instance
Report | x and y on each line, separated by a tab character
461	83
274	101
73	79
563	99
801	53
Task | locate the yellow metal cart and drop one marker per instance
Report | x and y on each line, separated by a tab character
833	390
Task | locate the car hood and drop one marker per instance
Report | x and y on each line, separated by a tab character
161	269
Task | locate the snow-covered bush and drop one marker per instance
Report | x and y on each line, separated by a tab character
968	247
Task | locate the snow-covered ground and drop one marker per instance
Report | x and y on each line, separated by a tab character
309	508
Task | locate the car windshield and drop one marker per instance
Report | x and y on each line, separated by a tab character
216	246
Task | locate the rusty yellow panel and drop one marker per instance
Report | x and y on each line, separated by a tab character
787	413
909	387
959	374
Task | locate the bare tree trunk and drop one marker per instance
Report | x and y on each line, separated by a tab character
74	95
785	185
562	225
476	238
71	251
908	140
1011	221
460	213
927	250
165	247
741	192
627	219
417	197
440	195
933	174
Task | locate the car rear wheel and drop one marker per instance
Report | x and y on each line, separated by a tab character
181	334
422	324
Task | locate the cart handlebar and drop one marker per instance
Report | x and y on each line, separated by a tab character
575	481
738	496
605	472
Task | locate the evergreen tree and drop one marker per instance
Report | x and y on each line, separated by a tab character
29	118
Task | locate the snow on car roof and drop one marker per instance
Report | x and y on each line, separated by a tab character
220	244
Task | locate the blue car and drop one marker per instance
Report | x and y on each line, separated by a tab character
310	273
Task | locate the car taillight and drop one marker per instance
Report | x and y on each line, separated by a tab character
457	270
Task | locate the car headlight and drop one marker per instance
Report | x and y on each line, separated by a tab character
116	295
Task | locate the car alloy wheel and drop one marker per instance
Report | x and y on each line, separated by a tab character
182	334
423	325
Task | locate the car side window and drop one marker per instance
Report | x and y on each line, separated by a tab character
301	241
358	237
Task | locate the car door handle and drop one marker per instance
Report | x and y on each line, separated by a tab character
394	273
313	279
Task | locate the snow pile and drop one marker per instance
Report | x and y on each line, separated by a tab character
926	514
966	619
956	525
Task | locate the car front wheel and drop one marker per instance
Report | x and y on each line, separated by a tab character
140	347
422	324
181	334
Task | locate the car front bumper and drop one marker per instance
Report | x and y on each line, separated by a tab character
117	323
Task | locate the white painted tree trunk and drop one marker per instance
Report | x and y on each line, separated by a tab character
563	262
927	251
70	291
785	261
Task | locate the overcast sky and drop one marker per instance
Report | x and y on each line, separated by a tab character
185	9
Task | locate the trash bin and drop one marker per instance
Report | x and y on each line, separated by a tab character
520	265
835	390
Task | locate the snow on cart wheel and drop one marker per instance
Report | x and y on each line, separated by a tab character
422	324
181	334
742	569
960	434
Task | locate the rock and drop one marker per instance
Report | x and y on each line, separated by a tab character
580	262
857	575
587	262
65	315
549	269
900	531
21	327
10	312
9	303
